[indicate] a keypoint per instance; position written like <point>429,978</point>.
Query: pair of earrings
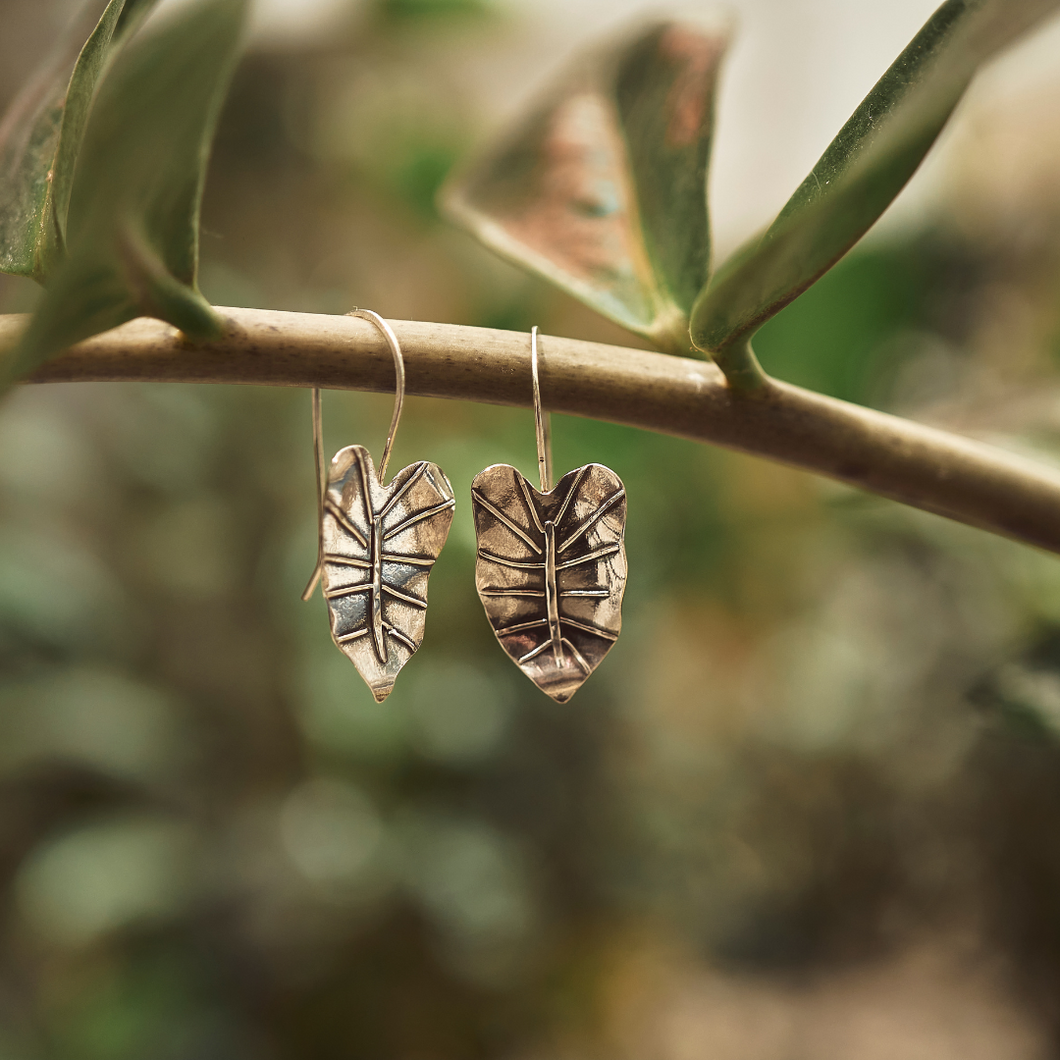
<point>550,568</point>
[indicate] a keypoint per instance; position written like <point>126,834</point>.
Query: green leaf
<point>416,10</point>
<point>602,189</point>
<point>41,136</point>
<point>134,211</point>
<point>862,171</point>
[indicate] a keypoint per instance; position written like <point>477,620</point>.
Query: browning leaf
<point>379,547</point>
<point>602,190</point>
<point>551,570</point>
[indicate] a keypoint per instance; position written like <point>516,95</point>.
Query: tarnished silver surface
<point>551,570</point>
<point>379,544</point>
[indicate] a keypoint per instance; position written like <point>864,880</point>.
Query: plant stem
<point>740,366</point>
<point>896,458</point>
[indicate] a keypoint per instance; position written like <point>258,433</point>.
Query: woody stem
<point>918,465</point>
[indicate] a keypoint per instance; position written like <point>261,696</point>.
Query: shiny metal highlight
<point>379,545</point>
<point>376,545</point>
<point>551,570</point>
<point>542,421</point>
<point>551,566</point>
<point>318,460</point>
<point>399,381</point>
<point>318,431</point>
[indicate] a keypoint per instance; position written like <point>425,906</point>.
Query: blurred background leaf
<point>864,168</point>
<point>602,188</point>
<point>414,10</point>
<point>133,229</point>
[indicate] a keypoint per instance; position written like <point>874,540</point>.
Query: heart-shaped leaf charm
<point>551,570</point>
<point>379,546</point>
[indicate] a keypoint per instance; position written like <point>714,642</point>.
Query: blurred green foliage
<point>409,10</point>
<point>844,337</point>
<point>807,806</point>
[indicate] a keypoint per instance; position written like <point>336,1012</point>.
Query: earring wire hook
<point>399,384</point>
<point>542,420</point>
<point>318,434</point>
<point>318,459</point>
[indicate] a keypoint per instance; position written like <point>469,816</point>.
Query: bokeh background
<point>810,805</point>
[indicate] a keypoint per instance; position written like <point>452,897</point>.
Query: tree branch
<point>896,458</point>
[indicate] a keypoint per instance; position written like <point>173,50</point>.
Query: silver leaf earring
<point>376,544</point>
<point>551,566</point>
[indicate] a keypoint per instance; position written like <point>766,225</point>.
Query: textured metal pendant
<point>379,545</point>
<point>551,570</point>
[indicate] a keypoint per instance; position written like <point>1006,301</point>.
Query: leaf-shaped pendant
<point>551,570</point>
<point>379,546</point>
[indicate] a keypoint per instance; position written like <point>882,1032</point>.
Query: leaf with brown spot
<point>602,189</point>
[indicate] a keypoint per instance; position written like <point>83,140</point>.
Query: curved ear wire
<point>543,422</point>
<point>318,457</point>
<point>399,382</point>
<point>399,402</point>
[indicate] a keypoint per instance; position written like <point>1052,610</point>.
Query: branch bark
<point>918,465</point>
